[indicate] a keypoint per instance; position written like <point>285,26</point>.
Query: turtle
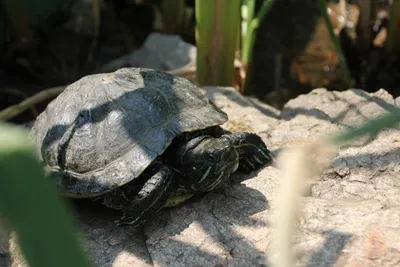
<point>135,138</point>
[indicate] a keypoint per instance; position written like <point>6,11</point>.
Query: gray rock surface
<point>107,244</point>
<point>245,114</point>
<point>397,101</point>
<point>342,233</point>
<point>159,51</point>
<point>335,229</point>
<point>4,255</point>
<point>351,216</point>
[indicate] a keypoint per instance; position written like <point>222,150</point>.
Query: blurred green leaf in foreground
<point>31,206</point>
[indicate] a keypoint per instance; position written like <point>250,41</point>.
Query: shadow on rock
<point>330,251</point>
<point>212,229</point>
<point>378,100</point>
<point>344,108</point>
<point>205,227</point>
<point>371,161</point>
<point>214,93</point>
<point>107,244</point>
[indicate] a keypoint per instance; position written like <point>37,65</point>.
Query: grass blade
<point>336,44</point>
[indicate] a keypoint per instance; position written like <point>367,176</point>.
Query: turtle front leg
<point>253,153</point>
<point>140,207</point>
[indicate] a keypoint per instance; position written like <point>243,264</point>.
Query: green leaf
<point>31,206</point>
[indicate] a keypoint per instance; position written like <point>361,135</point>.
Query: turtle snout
<point>233,160</point>
<point>230,156</point>
<point>227,150</point>
<point>220,146</point>
<point>226,140</point>
<point>226,145</point>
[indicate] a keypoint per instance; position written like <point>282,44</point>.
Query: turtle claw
<point>254,162</point>
<point>253,152</point>
<point>129,221</point>
<point>119,223</point>
<point>151,198</point>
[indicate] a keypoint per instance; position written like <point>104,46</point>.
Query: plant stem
<point>393,42</point>
<point>173,14</point>
<point>253,24</point>
<point>217,30</point>
<point>342,59</point>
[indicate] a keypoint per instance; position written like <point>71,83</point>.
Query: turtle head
<point>204,162</point>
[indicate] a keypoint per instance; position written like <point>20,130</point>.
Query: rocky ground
<point>350,217</point>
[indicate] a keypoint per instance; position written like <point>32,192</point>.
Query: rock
<point>159,51</point>
<point>361,172</point>
<point>16,255</point>
<point>349,218</point>
<point>347,108</point>
<point>220,229</point>
<point>341,233</point>
<point>244,114</point>
<point>232,229</point>
<point>107,244</point>
<point>367,172</point>
<point>352,214</point>
<point>4,254</point>
<point>397,101</point>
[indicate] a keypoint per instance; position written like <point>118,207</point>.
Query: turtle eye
<point>211,156</point>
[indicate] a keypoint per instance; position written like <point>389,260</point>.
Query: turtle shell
<point>104,130</point>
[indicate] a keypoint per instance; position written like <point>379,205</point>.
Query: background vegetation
<point>273,50</point>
